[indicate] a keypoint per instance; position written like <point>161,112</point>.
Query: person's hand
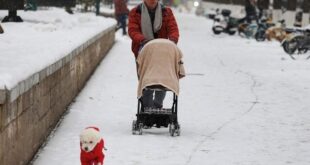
<point>143,43</point>
<point>174,41</point>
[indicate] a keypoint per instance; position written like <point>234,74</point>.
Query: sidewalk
<point>242,102</point>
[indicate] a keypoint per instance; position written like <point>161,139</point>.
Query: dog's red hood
<point>96,128</point>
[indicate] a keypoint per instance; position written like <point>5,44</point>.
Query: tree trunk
<point>270,10</point>
<point>299,13</point>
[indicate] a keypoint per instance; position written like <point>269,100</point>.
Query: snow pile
<point>44,37</point>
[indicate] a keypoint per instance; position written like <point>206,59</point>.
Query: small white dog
<point>92,145</point>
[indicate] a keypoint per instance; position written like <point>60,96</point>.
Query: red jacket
<point>169,28</point>
<point>93,157</point>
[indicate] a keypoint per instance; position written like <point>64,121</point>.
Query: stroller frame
<point>158,117</point>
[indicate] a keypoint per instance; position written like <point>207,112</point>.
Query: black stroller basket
<point>148,117</point>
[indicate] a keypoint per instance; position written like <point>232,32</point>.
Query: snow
<point>242,103</point>
<point>42,39</point>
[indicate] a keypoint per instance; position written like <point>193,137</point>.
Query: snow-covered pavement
<point>242,103</point>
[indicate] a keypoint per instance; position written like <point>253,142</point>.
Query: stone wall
<point>30,111</point>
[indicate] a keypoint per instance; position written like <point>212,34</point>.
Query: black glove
<point>143,43</point>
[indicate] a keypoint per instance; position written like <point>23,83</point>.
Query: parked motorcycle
<point>247,30</point>
<point>278,32</point>
<point>263,25</point>
<point>223,23</point>
<point>297,41</point>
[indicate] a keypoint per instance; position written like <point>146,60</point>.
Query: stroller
<point>159,68</point>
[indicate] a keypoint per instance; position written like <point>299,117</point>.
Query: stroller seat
<point>150,110</point>
<point>160,64</point>
<point>159,68</point>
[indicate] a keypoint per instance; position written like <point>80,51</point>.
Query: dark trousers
<point>121,21</point>
<point>153,98</point>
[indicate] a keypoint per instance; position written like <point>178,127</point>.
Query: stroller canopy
<point>160,63</point>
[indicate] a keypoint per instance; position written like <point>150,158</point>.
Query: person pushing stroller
<point>147,21</point>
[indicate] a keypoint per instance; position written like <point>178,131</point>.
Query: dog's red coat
<point>93,157</point>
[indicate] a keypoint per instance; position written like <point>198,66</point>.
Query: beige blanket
<point>160,63</point>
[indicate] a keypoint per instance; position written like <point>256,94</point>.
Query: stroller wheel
<point>174,129</point>
<point>134,128</point>
<point>171,129</point>
<point>140,128</point>
<point>178,130</point>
